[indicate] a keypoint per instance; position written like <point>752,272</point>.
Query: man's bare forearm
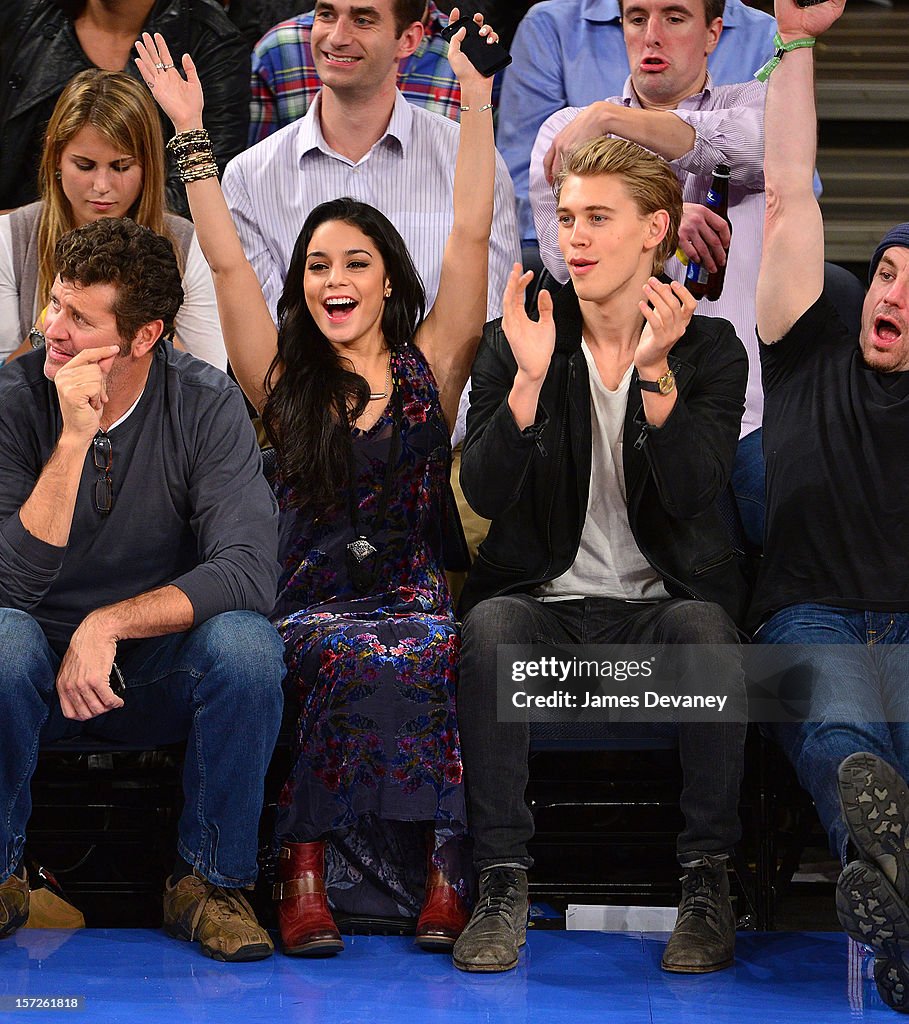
<point>792,256</point>
<point>48,512</point>
<point>82,681</point>
<point>154,613</point>
<point>660,131</point>
<point>790,127</point>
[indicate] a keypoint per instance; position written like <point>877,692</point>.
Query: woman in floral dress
<point>358,392</point>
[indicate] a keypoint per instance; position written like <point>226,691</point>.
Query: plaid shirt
<point>284,79</point>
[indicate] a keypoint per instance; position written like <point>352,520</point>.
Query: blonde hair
<point>121,111</point>
<point>647,177</point>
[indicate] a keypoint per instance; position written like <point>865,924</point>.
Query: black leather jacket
<point>534,484</point>
<point>39,54</point>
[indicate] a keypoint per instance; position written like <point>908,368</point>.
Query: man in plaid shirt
<point>285,82</point>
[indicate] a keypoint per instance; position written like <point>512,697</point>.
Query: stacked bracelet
<point>194,155</point>
<point>763,73</point>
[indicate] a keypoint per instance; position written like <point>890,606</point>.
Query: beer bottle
<point>697,279</point>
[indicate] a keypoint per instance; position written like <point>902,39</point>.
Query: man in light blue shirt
<point>570,53</point>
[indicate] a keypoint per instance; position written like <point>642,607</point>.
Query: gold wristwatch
<point>664,385</point>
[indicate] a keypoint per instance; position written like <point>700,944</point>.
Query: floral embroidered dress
<point>377,747</point>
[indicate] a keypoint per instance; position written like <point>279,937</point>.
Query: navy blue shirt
<point>837,473</point>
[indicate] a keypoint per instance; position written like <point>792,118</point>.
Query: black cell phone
<point>116,682</point>
<point>487,58</point>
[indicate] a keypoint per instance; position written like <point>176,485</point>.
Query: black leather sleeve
<point>691,455</point>
<point>496,453</point>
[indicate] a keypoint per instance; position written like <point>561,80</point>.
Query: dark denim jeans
<point>218,686</point>
<point>495,753</point>
<point>748,487</point>
<point>859,697</point>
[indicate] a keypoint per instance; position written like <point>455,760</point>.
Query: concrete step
<point>862,207</point>
<point>861,99</point>
<point>853,241</point>
<point>863,66</point>
<point>878,174</point>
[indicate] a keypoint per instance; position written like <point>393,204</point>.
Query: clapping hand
<point>668,309</point>
<point>180,98</point>
<point>532,342</point>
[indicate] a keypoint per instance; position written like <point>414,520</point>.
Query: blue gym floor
<point>127,975</point>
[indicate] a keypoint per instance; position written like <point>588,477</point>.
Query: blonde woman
<point>103,157</point>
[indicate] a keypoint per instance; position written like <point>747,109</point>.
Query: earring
<point>388,292</point>
<point>58,175</point>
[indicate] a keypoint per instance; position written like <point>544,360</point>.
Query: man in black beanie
<point>835,575</point>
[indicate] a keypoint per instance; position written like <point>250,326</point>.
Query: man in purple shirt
<point>572,53</point>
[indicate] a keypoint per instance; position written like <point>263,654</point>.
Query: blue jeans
<point>217,686</point>
<point>858,694</point>
<point>495,753</point>
<point>748,487</point>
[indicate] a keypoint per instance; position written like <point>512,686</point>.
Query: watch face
<point>36,338</point>
<point>666,382</point>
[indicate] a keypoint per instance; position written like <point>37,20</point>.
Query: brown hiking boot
<point>13,902</point>
<point>220,920</point>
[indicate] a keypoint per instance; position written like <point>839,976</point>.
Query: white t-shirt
<point>609,562</point>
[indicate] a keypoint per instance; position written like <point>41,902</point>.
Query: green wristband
<point>763,73</point>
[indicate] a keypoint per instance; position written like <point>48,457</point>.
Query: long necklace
<point>362,555</point>
<point>374,396</point>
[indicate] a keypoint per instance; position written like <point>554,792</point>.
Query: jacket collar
<point>60,56</point>
<point>567,315</point>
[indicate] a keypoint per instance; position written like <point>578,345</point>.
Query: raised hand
<point>181,99</point>
<point>796,22</point>
<point>82,390</point>
<point>532,342</point>
<point>466,73</point>
<point>668,309</point>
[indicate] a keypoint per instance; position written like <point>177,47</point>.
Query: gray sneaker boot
<point>875,802</point>
<point>703,939</point>
<point>498,926</point>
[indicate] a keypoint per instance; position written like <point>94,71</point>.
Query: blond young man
<point>598,440</point>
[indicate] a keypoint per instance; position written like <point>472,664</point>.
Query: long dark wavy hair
<point>312,394</point>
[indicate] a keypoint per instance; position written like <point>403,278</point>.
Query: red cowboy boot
<point>444,915</point>
<point>307,927</point>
